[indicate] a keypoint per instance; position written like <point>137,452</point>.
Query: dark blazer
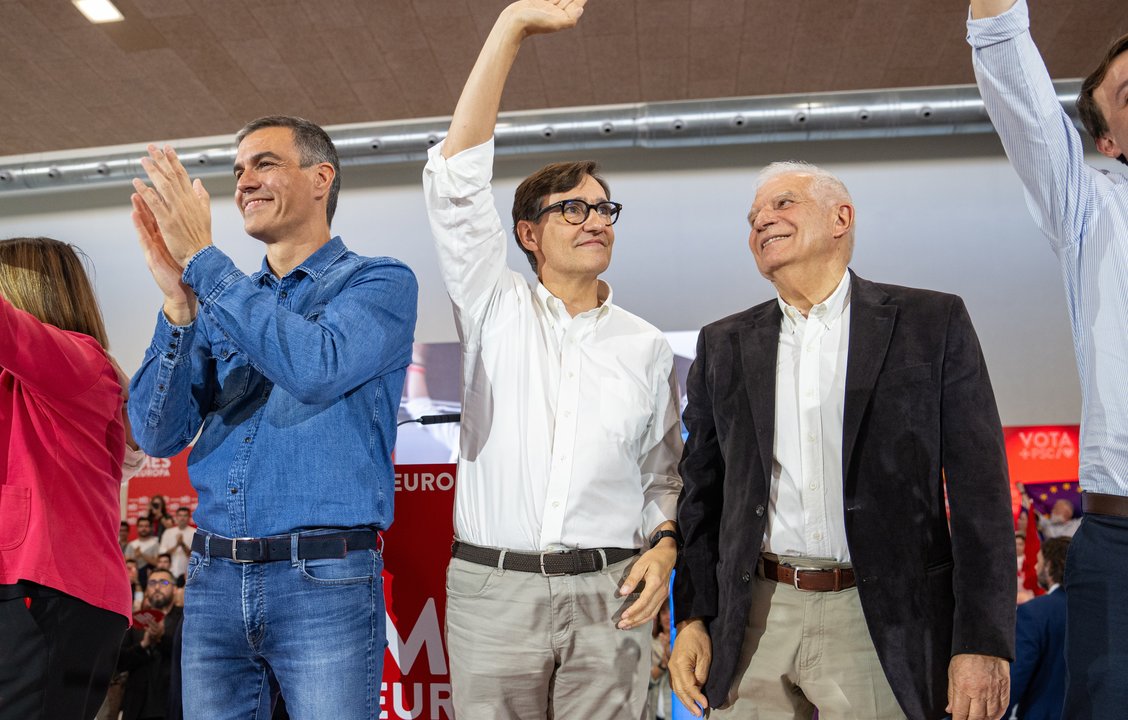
<point>1038,672</point>
<point>918,408</point>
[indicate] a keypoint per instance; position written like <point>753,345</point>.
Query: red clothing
<point>61,447</point>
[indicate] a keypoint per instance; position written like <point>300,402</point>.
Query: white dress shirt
<point>805,514</point>
<point>570,427</point>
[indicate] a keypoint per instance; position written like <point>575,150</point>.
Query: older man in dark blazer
<point>829,430</point>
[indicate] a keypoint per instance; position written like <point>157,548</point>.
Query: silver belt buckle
<point>544,572</point>
<point>234,544</point>
<point>795,575</point>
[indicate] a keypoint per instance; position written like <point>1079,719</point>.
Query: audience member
<point>177,541</point>
<point>147,652</point>
<point>123,535</point>
<point>1060,522</point>
<point>143,549</point>
<point>1038,673</point>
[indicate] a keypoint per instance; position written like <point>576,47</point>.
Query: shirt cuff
<point>984,32</point>
<point>463,175</point>
<point>209,272</point>
<point>172,342</point>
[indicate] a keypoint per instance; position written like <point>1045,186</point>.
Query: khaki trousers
<point>805,651</point>
<point>526,646</point>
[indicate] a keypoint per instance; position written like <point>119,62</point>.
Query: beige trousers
<point>807,650</point>
<point>527,646</point>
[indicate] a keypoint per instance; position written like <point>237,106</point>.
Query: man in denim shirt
<point>292,377</point>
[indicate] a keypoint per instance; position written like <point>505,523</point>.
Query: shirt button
<point>814,486</point>
<point>817,536</point>
<point>282,294</point>
<point>555,504</point>
<point>759,511</point>
<point>812,436</point>
<point>567,413</point>
<point>170,356</point>
<point>571,375</point>
<point>234,491</point>
<point>176,333</point>
<point>247,439</point>
<point>747,576</point>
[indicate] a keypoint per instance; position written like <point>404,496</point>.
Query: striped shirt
<point>1084,213</point>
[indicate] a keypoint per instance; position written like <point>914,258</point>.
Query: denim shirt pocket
<point>232,372</point>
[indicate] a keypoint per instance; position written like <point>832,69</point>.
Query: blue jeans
<point>1096,640</point>
<point>316,628</point>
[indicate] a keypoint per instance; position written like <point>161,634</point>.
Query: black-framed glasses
<point>576,211</point>
<point>159,581</point>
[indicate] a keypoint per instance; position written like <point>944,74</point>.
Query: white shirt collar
<point>825,312</point>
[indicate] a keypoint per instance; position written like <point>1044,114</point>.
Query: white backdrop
<point>945,213</point>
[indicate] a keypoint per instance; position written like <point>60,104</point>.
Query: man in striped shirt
<point>1084,213</point>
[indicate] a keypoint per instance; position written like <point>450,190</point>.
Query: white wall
<point>944,213</point>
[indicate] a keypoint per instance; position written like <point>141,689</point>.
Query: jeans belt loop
<point>294,561</point>
<point>207,548</point>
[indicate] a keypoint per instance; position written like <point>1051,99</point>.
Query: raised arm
<point>476,113</point>
<point>989,8</point>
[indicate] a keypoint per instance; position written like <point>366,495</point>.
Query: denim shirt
<point>295,383</point>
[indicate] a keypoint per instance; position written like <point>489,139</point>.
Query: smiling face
<point>793,225</point>
<point>566,250</point>
<point>275,194</point>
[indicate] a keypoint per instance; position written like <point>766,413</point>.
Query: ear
<point>843,219</point>
<point>527,236</point>
<point>323,177</point>
<point>1108,147</point>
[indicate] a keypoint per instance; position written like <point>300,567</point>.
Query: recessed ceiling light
<point>98,11</point>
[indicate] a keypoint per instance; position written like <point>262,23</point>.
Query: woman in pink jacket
<point>64,594</point>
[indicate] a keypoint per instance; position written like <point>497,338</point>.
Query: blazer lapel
<point>759,347</point>
<point>871,329</point>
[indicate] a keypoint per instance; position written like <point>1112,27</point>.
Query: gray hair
<point>826,183</point>
<point>313,144</point>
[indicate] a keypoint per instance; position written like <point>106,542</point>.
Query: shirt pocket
<point>232,372</point>
<point>624,409</point>
<point>15,510</point>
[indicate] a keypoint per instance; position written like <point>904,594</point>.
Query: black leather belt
<point>1104,504</point>
<point>277,547</point>
<point>563,562</point>
<point>810,579</point>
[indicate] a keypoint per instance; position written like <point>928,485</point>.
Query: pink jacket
<point>61,448</point>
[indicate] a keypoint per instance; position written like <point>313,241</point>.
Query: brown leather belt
<point>809,579</point>
<point>1102,504</point>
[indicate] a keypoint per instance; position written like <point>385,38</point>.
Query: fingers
<point>685,683</point>
<point>645,608</point>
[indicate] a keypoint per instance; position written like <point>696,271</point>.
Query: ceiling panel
<point>205,67</point>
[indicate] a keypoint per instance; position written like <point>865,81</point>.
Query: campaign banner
<point>159,476</point>
<point>1044,456</point>
<point>416,683</point>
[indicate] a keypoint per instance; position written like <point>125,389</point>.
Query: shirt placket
<point>812,486</point>
<point>564,433</point>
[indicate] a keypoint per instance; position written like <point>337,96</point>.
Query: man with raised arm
<point>291,377</point>
<point>567,477</point>
<point>829,429</point>
<point>1084,214</point>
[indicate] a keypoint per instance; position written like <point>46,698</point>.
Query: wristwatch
<point>657,537</point>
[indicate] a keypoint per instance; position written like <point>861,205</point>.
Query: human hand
<point>653,570</point>
<point>978,687</point>
<point>689,665</point>
<point>154,631</point>
<point>179,299</point>
<point>533,17</point>
<point>181,207</point>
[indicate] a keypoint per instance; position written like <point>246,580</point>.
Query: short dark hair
<point>314,146</point>
<point>183,509</point>
<point>165,555</point>
<point>553,178</point>
<point>1091,116</point>
<point>1054,552</point>
<point>144,518</point>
